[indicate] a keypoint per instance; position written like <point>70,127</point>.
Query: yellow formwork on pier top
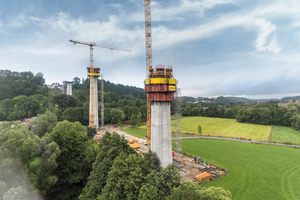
<point>93,74</point>
<point>170,81</point>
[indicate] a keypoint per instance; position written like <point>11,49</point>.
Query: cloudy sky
<point>247,48</point>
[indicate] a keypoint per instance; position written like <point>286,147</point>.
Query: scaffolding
<point>177,124</point>
<point>102,101</point>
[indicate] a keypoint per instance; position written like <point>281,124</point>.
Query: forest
<point>24,95</point>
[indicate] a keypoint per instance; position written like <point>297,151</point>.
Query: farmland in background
<point>225,128</point>
<point>282,134</point>
<point>231,128</point>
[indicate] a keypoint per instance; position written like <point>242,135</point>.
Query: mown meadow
<point>282,134</point>
<point>225,127</point>
<point>256,171</point>
<point>136,132</point>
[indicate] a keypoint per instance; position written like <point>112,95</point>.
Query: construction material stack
<point>160,88</point>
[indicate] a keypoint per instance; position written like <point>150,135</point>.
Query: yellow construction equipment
<point>92,74</point>
<point>135,145</point>
<point>203,176</point>
<point>148,44</point>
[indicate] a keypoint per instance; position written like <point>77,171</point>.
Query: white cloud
<point>18,22</point>
<point>265,28</point>
<point>179,10</point>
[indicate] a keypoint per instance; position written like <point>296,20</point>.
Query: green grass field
<point>136,132</point>
<point>282,134</point>
<point>256,171</point>
<point>142,132</point>
<point>225,128</point>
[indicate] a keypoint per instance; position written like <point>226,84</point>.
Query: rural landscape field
<point>256,171</point>
<point>281,134</point>
<point>232,129</point>
<point>225,128</point>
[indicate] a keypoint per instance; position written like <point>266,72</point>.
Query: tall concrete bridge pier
<point>160,88</point>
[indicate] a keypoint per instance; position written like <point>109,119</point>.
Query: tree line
<point>58,160</point>
<point>24,95</point>
<point>269,113</point>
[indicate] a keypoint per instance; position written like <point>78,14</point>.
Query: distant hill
<point>290,98</point>
<point>221,99</point>
<point>232,99</point>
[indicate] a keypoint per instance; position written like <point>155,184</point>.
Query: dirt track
<point>238,140</point>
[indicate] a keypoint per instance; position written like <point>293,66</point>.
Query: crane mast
<point>148,44</point>
<point>92,95</point>
<point>92,73</point>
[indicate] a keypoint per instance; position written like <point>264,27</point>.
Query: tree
<point>199,130</point>
<point>64,101</point>
<point>195,111</point>
<point>138,121</point>
<point>18,146</point>
<point>187,190</point>
<point>116,115</point>
<point>110,147</point>
<point>43,90</point>
<point>266,116</point>
<point>74,162</point>
<point>125,178</point>
<point>43,124</point>
<point>6,107</point>
<point>215,193</point>
<point>43,166</point>
<point>39,79</point>
<point>23,149</point>
<point>76,83</point>
<point>191,190</point>
<point>186,111</point>
<point>75,115</point>
<point>76,80</point>
<point>91,132</point>
<point>212,111</point>
<point>152,162</point>
<point>161,182</point>
<point>133,120</point>
<point>121,103</point>
<point>5,91</point>
<point>143,111</point>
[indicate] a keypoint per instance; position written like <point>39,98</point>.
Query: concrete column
<point>69,89</point>
<point>161,138</point>
<point>95,103</point>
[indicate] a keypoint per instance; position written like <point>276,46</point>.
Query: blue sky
<point>247,48</point>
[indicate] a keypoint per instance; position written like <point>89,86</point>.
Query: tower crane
<point>92,73</point>
<point>148,44</point>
